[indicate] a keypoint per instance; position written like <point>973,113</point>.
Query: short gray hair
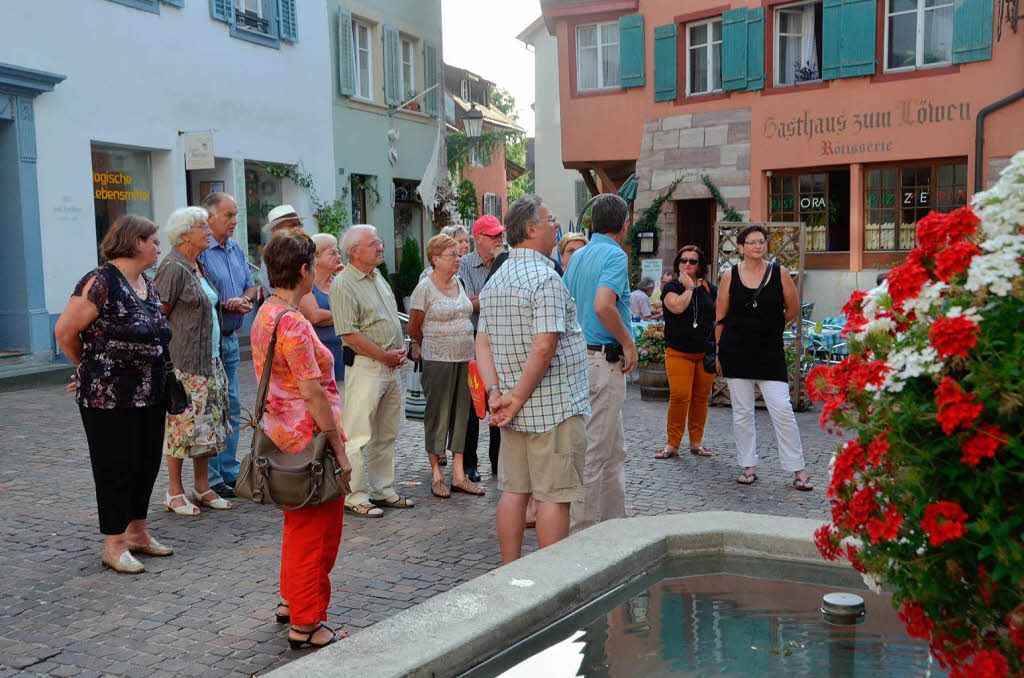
<point>608,212</point>
<point>454,231</point>
<point>521,213</point>
<point>646,284</point>
<point>181,222</point>
<point>350,238</point>
<point>213,200</point>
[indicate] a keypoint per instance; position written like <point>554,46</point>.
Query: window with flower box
<point>895,198</point>
<point>798,30</point>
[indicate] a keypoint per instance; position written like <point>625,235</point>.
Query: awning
<point>628,188</point>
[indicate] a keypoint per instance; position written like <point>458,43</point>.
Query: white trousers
<point>373,406</point>
<point>776,398</point>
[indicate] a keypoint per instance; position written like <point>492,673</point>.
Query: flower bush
<point>928,495</point>
<point>650,346</point>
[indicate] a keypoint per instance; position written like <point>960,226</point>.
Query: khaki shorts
<point>549,464</point>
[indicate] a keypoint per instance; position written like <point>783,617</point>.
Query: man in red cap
<point>489,235</point>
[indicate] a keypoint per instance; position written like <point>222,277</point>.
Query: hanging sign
<point>651,268</point>
<point>198,150</point>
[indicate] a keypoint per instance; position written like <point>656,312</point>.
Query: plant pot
<point>653,380</point>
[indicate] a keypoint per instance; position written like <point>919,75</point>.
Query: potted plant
<point>650,351</point>
<point>409,270</point>
<point>414,105</point>
<point>928,496</point>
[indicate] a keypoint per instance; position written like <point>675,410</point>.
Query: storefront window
<point>815,198</point>
<point>897,197</point>
<point>262,194</point>
<point>121,184</point>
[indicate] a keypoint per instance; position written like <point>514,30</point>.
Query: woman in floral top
<point>114,334</point>
<point>302,399</point>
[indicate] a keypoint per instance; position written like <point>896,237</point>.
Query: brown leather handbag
<point>287,481</point>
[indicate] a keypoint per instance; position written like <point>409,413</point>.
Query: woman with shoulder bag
<point>302,400</point>
<point>192,307</point>
<point>114,334</point>
<point>757,300</point>
<point>689,305</point>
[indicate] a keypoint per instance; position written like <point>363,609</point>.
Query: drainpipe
<point>979,136</point>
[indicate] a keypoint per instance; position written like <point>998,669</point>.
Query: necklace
<point>285,301</point>
<point>695,307</point>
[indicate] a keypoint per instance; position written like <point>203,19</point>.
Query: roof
<point>492,116</point>
<point>468,72</point>
<point>526,33</point>
<point>513,170</point>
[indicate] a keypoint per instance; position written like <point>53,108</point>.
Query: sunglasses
<point>693,262</point>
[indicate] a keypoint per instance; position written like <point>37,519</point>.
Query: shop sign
<point>916,198</point>
<point>198,150</point>
<point>651,268</point>
<point>806,203</point>
<point>115,186</point>
<point>828,129</point>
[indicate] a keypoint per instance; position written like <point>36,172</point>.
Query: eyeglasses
<point>692,262</point>
<point>376,243</point>
<point>550,221</point>
<point>450,256</point>
<point>202,226</point>
<point>755,243</point>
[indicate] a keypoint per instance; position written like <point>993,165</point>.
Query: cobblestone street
<point>209,609</point>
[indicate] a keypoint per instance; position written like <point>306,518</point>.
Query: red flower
<point>827,541</point>
<point>985,586</point>
<point>886,527</point>
<point>955,258</point>
<point>917,622</point>
<point>878,448</point>
<point>861,507</point>
<point>905,280</point>
<point>982,445</point>
<point>956,408</point>
<point>849,459</point>
<point>954,336</point>
<point>944,521</point>
<point>853,310</point>
<point>851,555</point>
<point>1015,620</point>
<point>985,664</point>
<point>936,231</point>
<point>949,650</point>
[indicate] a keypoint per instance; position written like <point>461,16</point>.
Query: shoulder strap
<point>261,394</point>
<point>764,280</point>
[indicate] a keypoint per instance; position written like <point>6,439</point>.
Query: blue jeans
<point>224,466</point>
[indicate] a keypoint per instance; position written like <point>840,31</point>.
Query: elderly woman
<point>192,307</point>
<point>112,332</point>
<point>756,301</point>
<point>461,236</point>
<point>303,399</point>
<point>442,336</point>
<point>689,303</point>
<point>569,243</point>
<point>316,306</point>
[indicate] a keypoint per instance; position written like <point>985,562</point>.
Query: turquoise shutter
<point>631,50</point>
<point>176,3</point>
<point>831,38</point>
<point>222,10</point>
<point>430,106</point>
<point>755,48</point>
<point>392,66</point>
<point>857,50</point>
<point>346,55</point>
<point>734,49</point>
<point>972,31</point>
<point>665,62</point>
<point>287,21</point>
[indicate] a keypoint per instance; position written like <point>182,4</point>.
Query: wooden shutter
<point>848,38</point>
<point>665,62</point>
<point>222,10</point>
<point>392,66</point>
<point>582,196</point>
<point>346,55</point>
<point>175,3</point>
<point>430,106</point>
<point>972,31</point>
<point>734,49</point>
<point>631,50</point>
<point>831,38</point>
<point>755,48</point>
<point>287,21</point>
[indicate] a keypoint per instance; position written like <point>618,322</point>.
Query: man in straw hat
<point>282,217</point>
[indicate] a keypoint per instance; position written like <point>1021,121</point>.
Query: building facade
<point>856,117</point>
<point>96,125</point>
<point>386,96</point>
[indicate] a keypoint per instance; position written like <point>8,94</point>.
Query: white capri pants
<point>776,398</point>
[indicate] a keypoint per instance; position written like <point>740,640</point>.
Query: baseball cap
<point>488,224</point>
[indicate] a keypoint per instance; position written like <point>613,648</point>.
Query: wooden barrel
<point>653,382</point>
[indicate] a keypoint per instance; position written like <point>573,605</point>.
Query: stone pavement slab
<point>210,607</point>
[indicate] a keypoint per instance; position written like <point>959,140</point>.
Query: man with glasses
<point>598,279</point>
<point>366,318</point>
<point>281,218</point>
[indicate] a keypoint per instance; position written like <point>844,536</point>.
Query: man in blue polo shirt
<point>598,280</point>
<point>228,268</point>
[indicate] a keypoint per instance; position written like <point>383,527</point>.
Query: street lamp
<point>473,121</point>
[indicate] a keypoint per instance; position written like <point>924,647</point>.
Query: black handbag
<point>710,348</point>
<point>175,397</point>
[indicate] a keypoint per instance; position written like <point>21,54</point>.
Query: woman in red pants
<point>303,399</point>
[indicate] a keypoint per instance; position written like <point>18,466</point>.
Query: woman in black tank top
<point>755,303</point>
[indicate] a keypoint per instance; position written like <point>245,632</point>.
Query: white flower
<point>883,324</point>
<point>877,299</point>
<point>908,363</point>
<point>997,270</point>
<point>1001,208</point>
<point>929,295</point>
<point>873,584</point>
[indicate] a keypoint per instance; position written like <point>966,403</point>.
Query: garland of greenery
<point>460,145</point>
<point>368,183</point>
<point>647,223</point>
<point>331,217</point>
<point>465,197</point>
<point>730,213</point>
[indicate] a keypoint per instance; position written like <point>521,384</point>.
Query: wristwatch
<point>492,387</point>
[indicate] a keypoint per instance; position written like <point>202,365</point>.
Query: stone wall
<point>715,143</point>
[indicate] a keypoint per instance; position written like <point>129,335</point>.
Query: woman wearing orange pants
<point>689,305</point>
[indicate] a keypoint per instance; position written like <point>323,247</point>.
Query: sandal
<point>700,451</point>
<point>803,484</point>
<point>468,487</point>
<point>747,478</point>
<point>218,502</point>
<point>439,488</point>
<point>299,644</point>
<point>187,509</point>
<point>283,618</point>
<point>667,452</point>
<point>365,510</point>
<point>395,502</point>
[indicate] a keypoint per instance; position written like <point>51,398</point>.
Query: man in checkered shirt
<point>533,360</point>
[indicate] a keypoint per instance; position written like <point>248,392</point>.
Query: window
<point>895,198</point>
<point>802,197</point>
<point>597,56</point>
<point>918,33</point>
<point>704,57</point>
<point>798,43</point>
<point>122,184</point>
<point>449,109</point>
<point>465,91</point>
<point>408,70</point>
<point>478,157</point>
<point>492,204</point>
<point>364,66</point>
<point>582,196</point>
<point>147,5</point>
<point>250,14</point>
